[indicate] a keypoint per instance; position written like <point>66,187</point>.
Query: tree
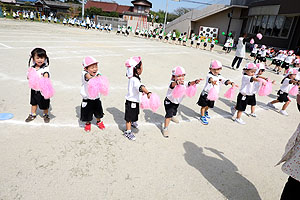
<point>181,11</point>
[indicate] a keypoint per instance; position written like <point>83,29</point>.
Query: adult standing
<point>291,159</point>
<point>240,51</point>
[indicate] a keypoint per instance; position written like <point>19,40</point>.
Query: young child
<point>184,39</point>
<point>198,42</point>
<point>288,60</point>
<point>90,106</point>
<point>286,85</point>
<point>174,37</point>
<point>193,38</point>
<point>135,89</point>
<point>212,45</point>
<point>263,54</point>
<point>41,65</point>
<point>180,39</point>
<point>247,93</point>
<point>213,79</point>
<point>205,43</point>
<point>254,51</point>
<point>171,103</point>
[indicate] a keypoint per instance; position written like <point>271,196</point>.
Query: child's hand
<point>214,82</point>
<point>234,85</point>
<point>274,82</point>
<point>149,95</point>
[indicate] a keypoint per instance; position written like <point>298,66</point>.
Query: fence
<point>114,21</point>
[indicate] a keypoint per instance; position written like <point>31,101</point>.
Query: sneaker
<point>232,67</point>
<point>135,125</point>
<point>101,125</point>
<point>129,135</point>
<point>277,72</point>
<point>233,110</point>
<point>203,120</point>
<point>30,118</point>
<point>240,121</point>
<point>165,132</point>
<point>283,112</point>
<point>271,105</point>
<point>46,118</point>
<point>206,115</point>
<point>175,120</point>
<point>252,115</point>
<point>87,127</point>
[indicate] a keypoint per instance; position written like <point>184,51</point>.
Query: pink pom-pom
<point>191,90</point>
<point>178,91</point>
<point>212,94</point>
<point>252,41</point>
<point>229,94</point>
<point>262,81</point>
<point>104,85</point>
<point>259,36</point>
<point>265,89</point>
<point>154,102</point>
<point>93,87</point>
<point>145,103</point>
<point>46,88</point>
<point>294,90</point>
<point>33,79</point>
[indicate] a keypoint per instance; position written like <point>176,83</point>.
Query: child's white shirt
<point>213,42</point>
<point>286,86</point>
<point>84,87</point>
<point>248,86</point>
<point>134,93</point>
<point>263,53</point>
<point>174,34</point>
<point>170,96</point>
<point>208,85</point>
<point>289,59</point>
<point>254,50</point>
<point>282,57</point>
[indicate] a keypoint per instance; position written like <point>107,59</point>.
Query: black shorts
<point>203,101</point>
<point>118,32</point>
<point>252,54</point>
<point>205,44</point>
<point>285,65</point>
<point>89,108</point>
<point>192,42</point>
<point>36,98</point>
<point>258,56</point>
<point>243,101</point>
<point>262,59</point>
<point>132,111</point>
<point>212,46</point>
<point>170,108</point>
<point>160,37</point>
<point>278,63</point>
<point>179,39</point>
<point>283,96</point>
<point>174,38</point>
<point>154,36</point>
<point>274,61</point>
<point>198,44</point>
<point>166,38</point>
<point>136,33</point>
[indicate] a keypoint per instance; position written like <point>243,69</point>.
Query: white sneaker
<point>252,115</point>
<point>283,112</point>
<point>165,132</point>
<point>175,120</point>
<point>240,121</point>
<point>271,105</point>
<point>135,125</point>
<point>233,110</point>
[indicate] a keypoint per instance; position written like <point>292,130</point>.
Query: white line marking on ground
<point>5,45</point>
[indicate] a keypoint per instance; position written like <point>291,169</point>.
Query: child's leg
<point>239,114</point>
<point>46,111</point>
<point>203,109</point>
<point>128,126</point>
<point>252,109</point>
<point>285,105</point>
<point>274,101</point>
<point>167,122</point>
<point>33,109</point>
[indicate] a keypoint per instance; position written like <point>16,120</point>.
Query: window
<point>270,25</point>
<point>278,25</point>
<point>257,25</point>
<point>263,26</point>
<point>286,27</point>
<point>140,9</point>
<point>253,23</point>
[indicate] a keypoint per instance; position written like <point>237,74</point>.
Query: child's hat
<point>250,66</point>
<point>263,46</point>
<point>131,63</point>
<point>291,71</point>
<point>297,61</point>
<point>89,60</point>
<point>260,66</point>
<point>256,45</point>
<point>291,52</point>
<point>177,71</point>
<point>215,64</point>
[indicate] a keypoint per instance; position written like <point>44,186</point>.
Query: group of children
<point>252,80</point>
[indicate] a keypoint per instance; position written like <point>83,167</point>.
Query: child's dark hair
<point>40,53</point>
<point>138,66</point>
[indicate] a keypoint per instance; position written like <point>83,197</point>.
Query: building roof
<point>8,1</point>
<point>142,3</point>
<point>108,7</point>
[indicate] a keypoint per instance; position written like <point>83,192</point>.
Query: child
<point>180,39</point>
<point>205,43</point>
<point>118,30</point>
<point>174,37</point>
<point>184,39</point>
<point>40,64</point>
<point>198,42</point>
<point>64,21</point>
<point>135,88</point>
<point>212,45</point>
<point>247,93</point>
<point>288,60</point>
<point>193,38</point>
<point>171,104</point>
<point>213,79</point>
<point>286,85</point>
<point>263,54</point>
<point>254,51</point>
<point>167,37</point>
<point>90,106</point>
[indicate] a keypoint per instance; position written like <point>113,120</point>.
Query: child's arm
<point>211,80</point>
<point>231,83</point>
<point>144,90</point>
<point>195,81</point>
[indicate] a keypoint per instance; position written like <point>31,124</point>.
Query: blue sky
<point>161,4</point>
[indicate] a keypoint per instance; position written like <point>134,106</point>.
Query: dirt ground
<point>223,160</point>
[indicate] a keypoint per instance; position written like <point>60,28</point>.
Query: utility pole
<point>166,13</point>
<point>82,11</point>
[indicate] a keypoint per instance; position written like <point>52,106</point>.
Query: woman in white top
<point>240,51</point>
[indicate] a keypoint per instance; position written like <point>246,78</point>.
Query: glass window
<point>278,25</point>
<point>286,27</point>
<point>270,25</point>
<point>263,26</point>
<point>254,19</point>
<point>257,25</point>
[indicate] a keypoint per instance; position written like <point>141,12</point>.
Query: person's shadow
<point>154,118</point>
<point>81,123</point>
<point>118,117</point>
<point>221,173</point>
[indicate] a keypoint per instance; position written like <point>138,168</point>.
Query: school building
<point>277,20</point>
